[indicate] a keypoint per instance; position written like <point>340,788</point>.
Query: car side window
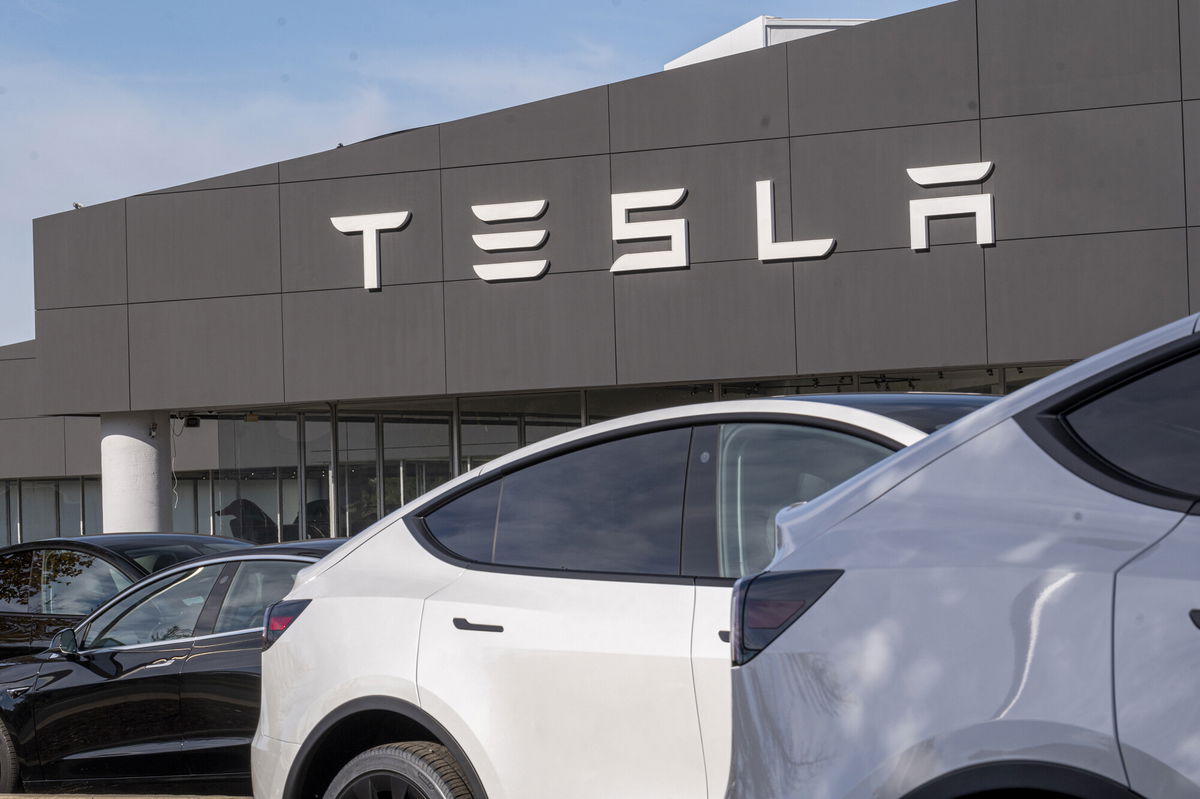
<point>74,583</point>
<point>16,582</point>
<point>1148,427</point>
<point>467,526</point>
<point>763,468</point>
<point>258,583</point>
<point>163,611</point>
<point>611,507</point>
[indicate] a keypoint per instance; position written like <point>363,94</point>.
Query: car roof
<point>116,541</point>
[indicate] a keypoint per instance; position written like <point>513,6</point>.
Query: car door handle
<point>463,624</point>
<point>723,635</point>
<point>1195,614</point>
<point>15,692</point>
<point>158,664</point>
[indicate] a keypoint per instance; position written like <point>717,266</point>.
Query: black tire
<point>425,770</point>
<point>10,772</point>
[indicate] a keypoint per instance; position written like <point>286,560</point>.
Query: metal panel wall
<point>242,293</point>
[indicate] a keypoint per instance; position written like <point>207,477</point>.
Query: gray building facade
<point>236,304</point>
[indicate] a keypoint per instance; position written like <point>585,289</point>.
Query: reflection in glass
<point>93,507</point>
<point>8,512</point>
<point>39,509</point>
<point>609,403</point>
<point>495,426</point>
<point>762,468</point>
<point>256,458</point>
<point>317,459</point>
<point>613,507</point>
<point>822,384</point>
<point>70,507</point>
<point>974,381</point>
<point>356,473</point>
<point>416,455</point>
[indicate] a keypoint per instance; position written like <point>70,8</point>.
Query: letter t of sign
<point>369,226</point>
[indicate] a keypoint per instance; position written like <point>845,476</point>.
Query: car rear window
<point>157,556</point>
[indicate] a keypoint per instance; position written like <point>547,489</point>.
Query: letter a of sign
<point>976,205</point>
<point>771,250</point>
<point>369,226</point>
<point>673,229</point>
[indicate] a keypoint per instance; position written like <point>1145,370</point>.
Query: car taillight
<point>766,604</point>
<point>279,617</point>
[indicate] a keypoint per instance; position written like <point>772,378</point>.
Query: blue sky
<point>103,100</point>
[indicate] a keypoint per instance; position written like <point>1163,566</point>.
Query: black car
<point>50,584</point>
<point>159,685</point>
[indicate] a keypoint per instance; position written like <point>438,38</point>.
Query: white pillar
<point>135,472</point>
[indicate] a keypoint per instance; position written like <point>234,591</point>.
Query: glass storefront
<point>383,457</point>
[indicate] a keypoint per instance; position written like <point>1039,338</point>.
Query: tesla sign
<point>525,241</point>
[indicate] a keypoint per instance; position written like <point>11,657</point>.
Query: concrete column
<point>135,472</point>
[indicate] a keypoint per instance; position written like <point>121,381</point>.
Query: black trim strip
<point>1044,424</point>
<point>207,620</point>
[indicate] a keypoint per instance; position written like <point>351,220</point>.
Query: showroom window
<point>1149,427</point>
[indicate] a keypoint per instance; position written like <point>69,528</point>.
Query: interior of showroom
<point>961,198</point>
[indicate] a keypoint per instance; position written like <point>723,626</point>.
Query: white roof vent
<point>760,32</point>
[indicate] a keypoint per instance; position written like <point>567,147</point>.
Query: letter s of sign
<point>369,226</point>
<point>673,229</point>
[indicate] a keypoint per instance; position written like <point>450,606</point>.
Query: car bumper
<point>270,762</point>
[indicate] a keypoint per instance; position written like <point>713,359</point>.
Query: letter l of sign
<point>369,226</point>
<point>771,250</point>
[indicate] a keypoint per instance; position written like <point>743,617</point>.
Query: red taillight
<point>279,617</point>
<point>765,605</point>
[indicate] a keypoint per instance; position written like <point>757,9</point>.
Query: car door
<point>71,583</point>
<point>112,710</point>
<point>17,588</point>
<point>221,677</point>
<point>560,659</point>
<point>740,475</point>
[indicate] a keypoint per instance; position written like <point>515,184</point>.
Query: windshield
<point>925,412</point>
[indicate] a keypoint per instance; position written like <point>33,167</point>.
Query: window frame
<point>415,519</point>
<point>1046,425</point>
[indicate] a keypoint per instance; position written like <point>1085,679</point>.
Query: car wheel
<point>413,770</point>
<point>9,772</point>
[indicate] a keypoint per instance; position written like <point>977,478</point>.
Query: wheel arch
<point>1053,779</point>
<point>357,726</point>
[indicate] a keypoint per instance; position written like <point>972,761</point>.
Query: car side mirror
<point>66,643</point>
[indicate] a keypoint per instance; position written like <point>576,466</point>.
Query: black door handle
<point>1195,614</point>
<point>463,624</point>
<point>723,635</point>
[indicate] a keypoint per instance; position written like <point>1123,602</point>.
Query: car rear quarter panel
<point>972,624</point>
<point>358,636</point>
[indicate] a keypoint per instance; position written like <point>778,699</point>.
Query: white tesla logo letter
<point>508,242</point>
<point>673,229</point>
<point>369,226</point>
<point>976,205</point>
<point>771,250</point>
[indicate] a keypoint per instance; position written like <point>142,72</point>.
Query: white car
<point>1007,609</point>
<point>555,623</point>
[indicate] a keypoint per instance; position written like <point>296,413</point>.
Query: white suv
<point>555,623</point>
